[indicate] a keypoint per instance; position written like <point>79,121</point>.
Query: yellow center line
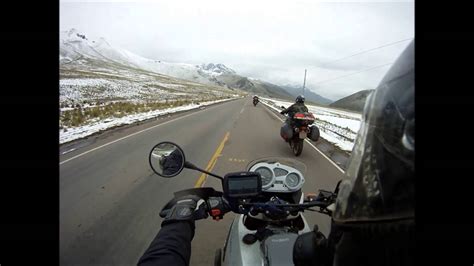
<point>212,162</point>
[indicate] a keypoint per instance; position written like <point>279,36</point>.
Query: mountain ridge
<point>353,102</point>
<point>308,93</point>
<point>77,48</point>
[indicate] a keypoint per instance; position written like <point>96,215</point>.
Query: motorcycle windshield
<point>301,167</point>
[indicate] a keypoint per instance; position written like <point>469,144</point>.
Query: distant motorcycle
<point>255,101</point>
<point>301,128</point>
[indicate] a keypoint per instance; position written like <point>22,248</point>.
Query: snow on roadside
<point>83,131</point>
<point>336,126</point>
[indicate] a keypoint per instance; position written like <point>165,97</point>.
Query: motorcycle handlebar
<point>216,207</point>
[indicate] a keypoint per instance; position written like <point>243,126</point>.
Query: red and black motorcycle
<point>298,130</point>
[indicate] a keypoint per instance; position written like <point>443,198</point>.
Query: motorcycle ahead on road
<point>255,101</point>
<point>267,198</point>
<point>301,128</point>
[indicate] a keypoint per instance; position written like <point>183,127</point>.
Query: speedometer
<point>292,180</point>
<point>267,175</point>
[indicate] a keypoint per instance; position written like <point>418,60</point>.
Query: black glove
<point>188,208</point>
<point>282,112</point>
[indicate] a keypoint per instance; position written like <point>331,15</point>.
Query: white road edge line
<point>68,151</point>
<point>337,166</point>
<point>141,131</point>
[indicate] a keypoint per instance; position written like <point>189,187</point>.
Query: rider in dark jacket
<point>297,107</point>
<point>172,245</point>
<point>255,99</point>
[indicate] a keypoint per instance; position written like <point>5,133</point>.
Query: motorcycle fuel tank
<point>278,249</point>
<point>274,248</point>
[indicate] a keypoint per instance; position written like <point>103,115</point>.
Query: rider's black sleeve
<point>288,109</point>
<point>171,246</point>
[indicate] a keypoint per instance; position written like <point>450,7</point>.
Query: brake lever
<point>328,210</point>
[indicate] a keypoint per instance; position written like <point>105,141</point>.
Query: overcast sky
<point>269,40</point>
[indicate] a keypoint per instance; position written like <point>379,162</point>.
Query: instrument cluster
<point>278,177</point>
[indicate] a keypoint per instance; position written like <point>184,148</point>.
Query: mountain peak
<point>81,36</point>
<point>72,35</point>
<point>72,31</point>
<point>217,68</point>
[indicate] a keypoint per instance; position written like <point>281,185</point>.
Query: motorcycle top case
<point>286,132</point>
<point>313,133</point>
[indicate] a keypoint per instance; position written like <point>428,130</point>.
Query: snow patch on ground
<point>69,134</point>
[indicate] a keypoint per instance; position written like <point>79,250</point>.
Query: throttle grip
<point>163,213</point>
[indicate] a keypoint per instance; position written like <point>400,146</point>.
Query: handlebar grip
<point>163,213</point>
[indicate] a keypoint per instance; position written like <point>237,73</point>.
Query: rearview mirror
<point>166,159</point>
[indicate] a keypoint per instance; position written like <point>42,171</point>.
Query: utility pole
<point>304,82</point>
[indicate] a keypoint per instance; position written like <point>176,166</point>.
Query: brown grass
<point>80,116</point>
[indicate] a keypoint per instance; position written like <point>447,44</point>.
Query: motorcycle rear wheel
<point>297,147</point>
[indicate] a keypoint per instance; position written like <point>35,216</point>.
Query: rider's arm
<point>286,110</point>
<point>171,246</point>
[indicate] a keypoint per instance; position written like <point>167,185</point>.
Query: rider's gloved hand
<point>188,208</point>
<point>282,113</point>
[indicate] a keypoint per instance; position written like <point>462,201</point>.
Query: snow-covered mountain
<point>96,72</point>
<point>76,48</point>
<point>216,69</point>
<point>78,52</point>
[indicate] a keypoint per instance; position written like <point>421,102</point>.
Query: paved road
<point>110,198</point>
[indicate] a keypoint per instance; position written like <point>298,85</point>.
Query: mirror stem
<point>192,166</point>
<point>337,187</point>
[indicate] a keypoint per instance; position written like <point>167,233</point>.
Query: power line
<point>366,51</point>
<point>375,67</point>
